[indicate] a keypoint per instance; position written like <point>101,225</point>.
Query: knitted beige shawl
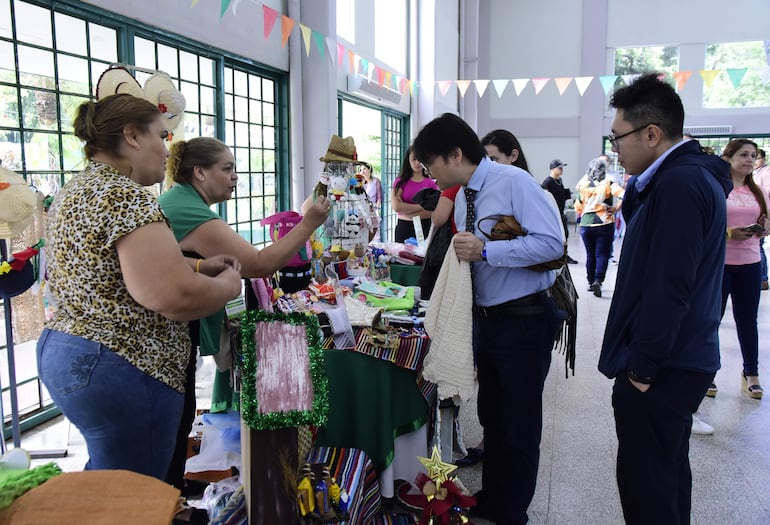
<point>449,323</point>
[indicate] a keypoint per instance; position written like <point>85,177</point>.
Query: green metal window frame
<point>43,112</point>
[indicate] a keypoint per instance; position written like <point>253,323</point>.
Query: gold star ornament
<point>438,471</point>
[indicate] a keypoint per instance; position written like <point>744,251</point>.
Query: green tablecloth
<point>404,274</point>
<point>371,402</point>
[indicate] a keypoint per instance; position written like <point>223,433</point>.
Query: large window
<point>637,60</point>
<point>52,53</point>
<point>391,33</point>
<point>739,63</point>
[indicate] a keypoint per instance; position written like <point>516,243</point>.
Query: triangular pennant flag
<point>402,85</point>
<point>223,8</point>
<point>708,76</point>
<point>608,81</point>
<point>443,86</point>
<point>395,81</point>
<point>629,79</point>
<point>519,84</point>
<point>539,84</point>
<point>318,38</point>
<point>355,62</point>
<point>380,74</point>
<point>193,3</point>
<point>481,86</point>
<point>736,75</point>
<point>331,47</point>
<point>387,81</point>
<point>235,5</point>
<point>562,83</point>
<point>364,67</point>
<point>462,86</point>
<point>306,33</point>
<point>764,73</point>
<point>340,54</point>
<point>681,78</point>
<point>270,16</point>
<point>287,24</point>
<point>500,86</point>
<point>582,84</point>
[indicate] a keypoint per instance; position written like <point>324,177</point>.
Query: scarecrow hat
<point>341,150</point>
<point>17,204</point>
<point>161,91</point>
<point>117,80</point>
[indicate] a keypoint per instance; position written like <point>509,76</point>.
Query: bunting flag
<point>340,55</point>
<point>388,81</point>
<point>306,33</point>
<point>681,78</point>
<point>582,83</point>
<point>539,84</point>
<point>519,84</point>
<point>462,86</point>
<point>193,3</point>
<point>736,75</point>
<point>364,67</point>
<point>235,5</point>
<point>331,47</point>
<point>607,82</point>
<point>270,16</point>
<point>223,8</point>
<point>355,62</point>
<point>500,86</point>
<point>318,38</point>
<point>443,86</point>
<point>481,86</point>
<point>562,83</point>
<point>380,74</point>
<point>287,25</point>
<point>708,76</point>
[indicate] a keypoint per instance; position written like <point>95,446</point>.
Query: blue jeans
<point>128,419</point>
<point>598,243</point>
<point>742,283</point>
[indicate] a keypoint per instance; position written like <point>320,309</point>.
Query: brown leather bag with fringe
<point>506,227</point>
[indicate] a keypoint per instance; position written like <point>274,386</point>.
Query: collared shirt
<point>508,190</point>
<point>645,177</point>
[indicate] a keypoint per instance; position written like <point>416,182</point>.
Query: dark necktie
<point>470,210</point>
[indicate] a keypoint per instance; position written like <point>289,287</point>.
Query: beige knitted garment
<point>449,323</point>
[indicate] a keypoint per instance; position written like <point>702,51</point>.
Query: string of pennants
<point>355,64</point>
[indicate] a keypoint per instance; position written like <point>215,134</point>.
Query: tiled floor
<point>576,484</point>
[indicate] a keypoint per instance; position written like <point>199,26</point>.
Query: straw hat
<point>162,92</point>
<point>341,150</point>
<point>17,204</point>
<point>117,80</point>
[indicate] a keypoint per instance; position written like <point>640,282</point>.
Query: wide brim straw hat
<point>341,150</point>
<point>161,91</point>
<point>18,202</point>
<point>117,80</point>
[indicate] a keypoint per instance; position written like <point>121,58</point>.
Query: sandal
<point>754,391</point>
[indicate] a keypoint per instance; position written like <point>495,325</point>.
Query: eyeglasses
<point>615,138</point>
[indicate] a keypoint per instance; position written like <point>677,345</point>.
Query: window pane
<point>5,19</point>
<point>636,60</point>
<point>242,134</point>
<point>242,166</point>
<point>208,126</point>
<point>41,151</point>
<point>10,150</point>
<point>33,24</point>
<point>97,68</point>
<point>73,153</point>
<point>73,74</point>
<point>268,138</point>
<point>167,60</point>
<point>36,67</point>
<point>144,53</point>
<point>268,114</point>
<point>268,88</point>
<point>241,108</point>
<point>104,43</point>
<point>255,86</point>
<point>188,66</point>
<point>240,84</point>
<point>69,105</point>
<point>207,71</point>
<point>730,59</point>
<point>9,107</point>
<point>70,34</point>
<point>7,67</point>
<point>390,33</point>
<point>228,80</point>
<point>190,92</point>
<point>346,20</point>
<point>207,101</point>
<point>39,109</point>
<point>191,125</point>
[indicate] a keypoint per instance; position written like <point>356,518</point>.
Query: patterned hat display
<point>17,204</point>
<point>115,80</point>
<point>161,91</point>
<point>341,150</point>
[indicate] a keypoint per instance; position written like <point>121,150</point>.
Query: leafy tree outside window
<point>638,60</point>
<point>752,91</point>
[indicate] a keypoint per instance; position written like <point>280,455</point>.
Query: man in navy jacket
<point>661,343</point>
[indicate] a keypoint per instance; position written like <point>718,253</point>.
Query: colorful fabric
<point>14,483</point>
<point>89,215</point>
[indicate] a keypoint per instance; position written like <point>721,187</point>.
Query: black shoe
<point>570,260</point>
<point>596,288</point>
<point>474,456</point>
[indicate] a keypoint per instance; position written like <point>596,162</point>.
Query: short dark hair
<point>442,135</point>
<point>649,100</point>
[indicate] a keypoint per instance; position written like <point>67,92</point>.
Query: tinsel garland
<point>317,415</point>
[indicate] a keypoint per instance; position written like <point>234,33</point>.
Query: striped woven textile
<point>355,473</point>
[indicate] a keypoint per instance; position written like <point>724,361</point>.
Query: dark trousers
<point>405,229</point>
<point>598,243</point>
<point>175,474</point>
<point>741,283</point>
<point>653,428</point>
<point>513,355</point>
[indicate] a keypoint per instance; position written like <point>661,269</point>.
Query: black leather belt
<point>524,306</point>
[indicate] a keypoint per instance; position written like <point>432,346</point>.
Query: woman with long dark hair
<point>411,179</point>
<point>502,146</point>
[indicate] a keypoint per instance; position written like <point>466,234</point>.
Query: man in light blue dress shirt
<point>514,317</point>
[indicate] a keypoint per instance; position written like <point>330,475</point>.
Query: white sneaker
<point>701,427</point>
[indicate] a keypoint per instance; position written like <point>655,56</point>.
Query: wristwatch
<point>643,380</point>
<point>484,252</point>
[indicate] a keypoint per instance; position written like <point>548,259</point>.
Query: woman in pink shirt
<point>746,224</point>
<point>409,182</point>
